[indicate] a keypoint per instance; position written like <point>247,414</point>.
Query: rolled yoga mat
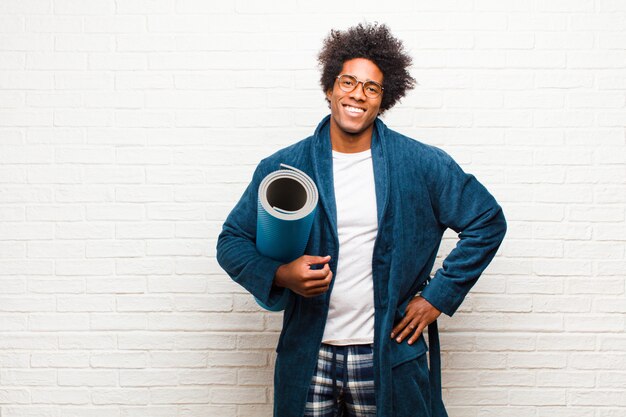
<point>287,204</point>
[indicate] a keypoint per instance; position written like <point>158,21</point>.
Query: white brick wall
<point>129,128</point>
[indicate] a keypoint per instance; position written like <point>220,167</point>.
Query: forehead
<point>363,69</point>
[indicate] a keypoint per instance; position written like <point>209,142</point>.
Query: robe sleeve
<point>464,205</point>
<point>236,247</point>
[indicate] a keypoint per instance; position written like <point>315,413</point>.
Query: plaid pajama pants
<point>343,383</point>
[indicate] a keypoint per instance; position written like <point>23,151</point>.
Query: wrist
<point>279,277</point>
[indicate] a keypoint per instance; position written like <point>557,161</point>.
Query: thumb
<point>316,260</point>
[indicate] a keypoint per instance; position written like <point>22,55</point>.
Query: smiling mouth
<point>351,109</point>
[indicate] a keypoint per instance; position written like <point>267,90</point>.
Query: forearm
<point>461,269</point>
<point>238,256</point>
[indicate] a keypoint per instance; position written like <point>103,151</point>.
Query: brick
<point>203,341</point>
<point>148,411</point>
<point>146,230</point>
<point>596,285</point>
<point>188,284</point>
<point>84,267</point>
<point>126,396</point>
<point>117,99</point>
<point>58,321</point>
<point>179,395</point>
<point>27,304</point>
<point>145,266</point>
<point>611,232</point>
<point>56,286</point>
<point>121,360</point>
<point>213,376</point>
<point>59,360</point>
<point>114,24</point>
<point>495,378</point>
<point>612,380</point>
<point>55,249</point>
<point>189,322</point>
<point>456,379</point>
<point>502,303</point>
<point>80,341</point>
<point>12,322</point>
<point>510,411</point>
<point>89,7</point>
<point>147,340</point>
<point>87,378</point>
<point>561,304</point>
<point>115,249</point>
<point>595,323</point>
<point>14,360</point>
<point>593,250</point>
<point>15,396</point>
<point>213,303</point>
<point>534,360</point>
<point>238,395</point>
<point>29,411</point>
<point>597,398</point>
<point>143,303</point>
<point>482,396</point>
<point>83,42</point>
<point>178,360</point>
<point>27,377</point>
<point>85,303</point>
<point>596,214</point>
<point>148,378</point>
<point>30,342</point>
<point>473,360</point>
<point>122,285</point>
<point>116,321</point>
<point>73,194</point>
<point>565,379</point>
<point>510,343</point>
<point>539,397</point>
<point>57,61</point>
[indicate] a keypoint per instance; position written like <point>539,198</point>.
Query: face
<point>353,113</point>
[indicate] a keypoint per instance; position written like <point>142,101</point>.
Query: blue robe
<point>420,192</point>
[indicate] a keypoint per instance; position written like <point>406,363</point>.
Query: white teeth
<point>354,109</point>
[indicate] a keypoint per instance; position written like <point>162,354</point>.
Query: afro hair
<point>375,43</point>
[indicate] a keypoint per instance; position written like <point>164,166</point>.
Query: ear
<point>329,93</point>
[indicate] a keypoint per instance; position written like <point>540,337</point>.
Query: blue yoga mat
<point>287,204</point>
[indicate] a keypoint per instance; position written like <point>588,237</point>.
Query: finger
<point>400,326</point>
<point>312,292</point>
<point>316,260</point>
<point>318,283</point>
<point>406,332</point>
<point>318,273</point>
<point>316,292</point>
<point>417,333</point>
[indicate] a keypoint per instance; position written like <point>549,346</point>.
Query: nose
<point>359,91</point>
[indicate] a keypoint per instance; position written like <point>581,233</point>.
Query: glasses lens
<point>372,89</point>
<point>347,83</point>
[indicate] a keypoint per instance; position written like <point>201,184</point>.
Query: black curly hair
<point>376,43</point>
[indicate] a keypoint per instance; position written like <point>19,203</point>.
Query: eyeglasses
<point>348,83</point>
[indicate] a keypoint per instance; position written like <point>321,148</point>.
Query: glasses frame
<point>362,85</point>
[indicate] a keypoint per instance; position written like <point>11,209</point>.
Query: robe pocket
<point>403,352</point>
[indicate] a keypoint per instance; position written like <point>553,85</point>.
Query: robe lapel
<point>322,157</point>
<point>381,170</point>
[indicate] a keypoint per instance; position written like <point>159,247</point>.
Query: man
<point>352,341</point>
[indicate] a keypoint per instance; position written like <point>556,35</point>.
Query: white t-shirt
<point>351,313</point>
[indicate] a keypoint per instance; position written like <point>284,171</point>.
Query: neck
<point>346,142</point>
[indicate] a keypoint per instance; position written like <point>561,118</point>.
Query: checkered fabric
<point>343,383</point>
